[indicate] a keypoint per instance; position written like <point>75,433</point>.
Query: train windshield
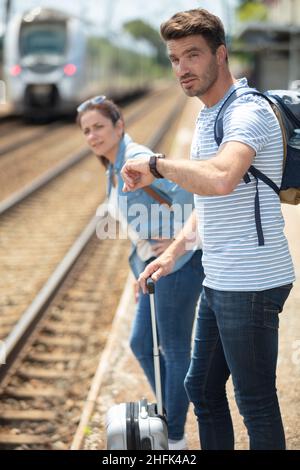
<point>43,38</point>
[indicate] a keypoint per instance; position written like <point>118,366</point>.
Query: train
<point>52,62</point>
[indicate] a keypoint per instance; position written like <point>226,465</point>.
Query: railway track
<point>44,386</point>
<point>29,161</point>
<point>36,233</point>
<point>8,125</point>
<point>42,401</point>
<point>20,135</point>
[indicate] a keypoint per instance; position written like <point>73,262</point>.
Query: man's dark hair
<point>197,21</point>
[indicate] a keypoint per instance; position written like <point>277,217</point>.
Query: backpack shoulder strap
<point>218,129</point>
<point>219,132</point>
<point>283,131</point>
<point>275,102</point>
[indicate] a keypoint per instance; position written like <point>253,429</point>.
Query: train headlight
<point>70,69</point>
<point>15,70</point>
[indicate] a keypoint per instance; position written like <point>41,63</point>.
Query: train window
<point>47,38</point>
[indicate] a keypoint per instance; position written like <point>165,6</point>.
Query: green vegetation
<point>252,10</point>
<point>141,30</point>
<point>118,67</point>
<point>87,431</point>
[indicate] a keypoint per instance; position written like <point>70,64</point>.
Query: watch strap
<point>153,163</point>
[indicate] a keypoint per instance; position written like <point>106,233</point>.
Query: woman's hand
<point>160,245</point>
<point>136,291</point>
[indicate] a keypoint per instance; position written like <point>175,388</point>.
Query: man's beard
<point>205,82</point>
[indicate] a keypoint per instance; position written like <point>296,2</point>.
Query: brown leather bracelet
<point>152,165</point>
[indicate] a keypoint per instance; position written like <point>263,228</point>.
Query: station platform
<point>5,110</point>
<point>119,377</point>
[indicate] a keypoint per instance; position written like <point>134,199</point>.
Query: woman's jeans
<point>176,297</point>
<point>237,334</point>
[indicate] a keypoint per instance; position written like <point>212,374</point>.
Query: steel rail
<point>27,140</point>
<point>21,194</point>
<point>24,327</point>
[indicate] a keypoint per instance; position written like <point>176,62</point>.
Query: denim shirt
<point>141,211</point>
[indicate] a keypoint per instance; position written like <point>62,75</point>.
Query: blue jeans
<point>176,297</point>
<point>237,334</point>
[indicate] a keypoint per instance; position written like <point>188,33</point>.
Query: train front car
<point>53,61</point>
<point>43,50</point>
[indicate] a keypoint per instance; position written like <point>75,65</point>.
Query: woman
<point>177,294</point>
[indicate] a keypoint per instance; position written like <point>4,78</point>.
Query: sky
<point>112,13</point>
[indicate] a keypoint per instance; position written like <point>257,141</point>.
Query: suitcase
<point>140,425</point>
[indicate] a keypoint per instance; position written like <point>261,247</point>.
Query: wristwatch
<point>152,165</point>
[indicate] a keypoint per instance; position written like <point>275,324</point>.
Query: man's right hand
<point>162,266</point>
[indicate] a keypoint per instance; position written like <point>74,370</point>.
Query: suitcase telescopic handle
<point>158,391</point>
<point>150,285</point>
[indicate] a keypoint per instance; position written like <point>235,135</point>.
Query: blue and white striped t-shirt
<point>232,259</point>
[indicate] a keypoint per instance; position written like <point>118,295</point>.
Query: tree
<point>142,30</point>
<point>253,10</point>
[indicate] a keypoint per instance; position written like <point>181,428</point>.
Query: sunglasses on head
<point>96,100</point>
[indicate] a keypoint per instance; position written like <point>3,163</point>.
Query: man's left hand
<point>136,174</point>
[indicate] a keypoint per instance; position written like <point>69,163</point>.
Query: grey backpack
<point>286,106</point>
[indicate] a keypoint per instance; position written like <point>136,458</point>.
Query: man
<point>246,283</point>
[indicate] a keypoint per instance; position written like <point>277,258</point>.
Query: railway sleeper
<point>27,415</point>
